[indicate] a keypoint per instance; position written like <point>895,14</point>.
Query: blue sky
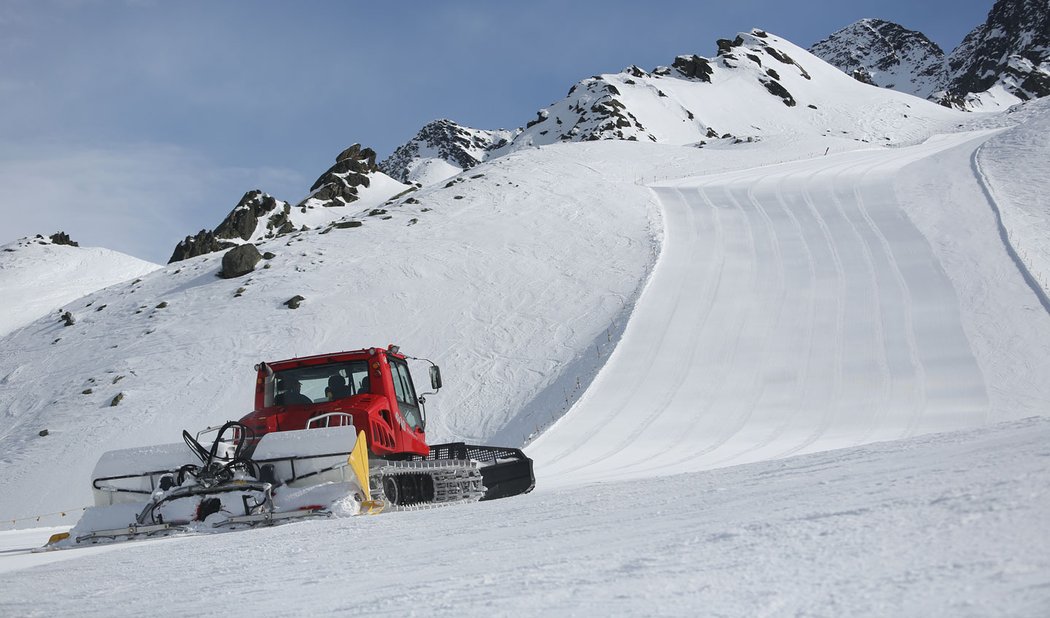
<point>130,124</point>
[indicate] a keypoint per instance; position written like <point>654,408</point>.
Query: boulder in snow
<point>239,261</point>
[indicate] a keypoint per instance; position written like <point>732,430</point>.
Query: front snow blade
<point>358,461</point>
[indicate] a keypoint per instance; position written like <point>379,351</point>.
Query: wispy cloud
<point>140,199</point>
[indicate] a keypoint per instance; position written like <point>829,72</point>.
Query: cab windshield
<point>318,383</point>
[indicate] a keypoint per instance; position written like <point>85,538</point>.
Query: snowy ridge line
<point>1004,235</point>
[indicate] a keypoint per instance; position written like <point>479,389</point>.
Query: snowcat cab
<point>373,388</point>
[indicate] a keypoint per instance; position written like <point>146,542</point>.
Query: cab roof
<point>333,357</point>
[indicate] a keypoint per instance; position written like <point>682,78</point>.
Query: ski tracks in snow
<point>794,308</point>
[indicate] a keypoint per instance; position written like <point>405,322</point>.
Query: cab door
<point>405,393</point>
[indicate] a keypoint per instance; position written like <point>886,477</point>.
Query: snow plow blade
<point>505,471</point>
<point>158,491</point>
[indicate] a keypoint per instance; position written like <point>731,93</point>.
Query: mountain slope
<point>476,277</point>
<point>811,306</point>
<point>38,277</point>
<point>758,85</point>
<point>1019,190</point>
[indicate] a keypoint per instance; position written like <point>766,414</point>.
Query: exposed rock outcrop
<point>1010,50</point>
<point>61,238</point>
<point>202,242</point>
<point>243,220</point>
<point>254,216</point>
<point>339,185</point>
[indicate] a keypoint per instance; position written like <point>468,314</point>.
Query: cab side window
<point>405,393</point>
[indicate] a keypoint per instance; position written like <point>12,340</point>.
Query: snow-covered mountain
<point>441,150</point>
<point>354,180</point>
<point>39,276</point>
<point>757,85</point>
<point>730,261</point>
<point>1004,60</point>
<point>1001,62</point>
<point>887,55</point>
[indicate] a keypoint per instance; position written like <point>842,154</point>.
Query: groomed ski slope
<point>799,307</point>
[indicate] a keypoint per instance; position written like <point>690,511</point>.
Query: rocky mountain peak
<point>339,185</point>
<point>441,149</point>
<point>885,54</point>
<point>240,225</point>
<point>61,238</point>
<point>1010,51</point>
<point>1001,62</point>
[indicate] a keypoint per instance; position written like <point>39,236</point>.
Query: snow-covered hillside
<point>813,305</point>
<point>641,314</point>
<point>504,279</point>
<point>38,278</point>
<point>1020,190</point>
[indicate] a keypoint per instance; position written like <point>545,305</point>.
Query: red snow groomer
<point>373,390</point>
<point>332,434</point>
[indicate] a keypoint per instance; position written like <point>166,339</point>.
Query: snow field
<point>937,525</point>
<point>38,277</point>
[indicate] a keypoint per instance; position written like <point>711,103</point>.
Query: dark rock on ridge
<point>61,238</point>
<point>338,186</point>
<point>192,246</point>
<point>239,225</point>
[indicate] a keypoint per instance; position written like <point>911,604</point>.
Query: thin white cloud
<point>139,199</point>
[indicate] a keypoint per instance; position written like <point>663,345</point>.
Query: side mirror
<point>435,377</point>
